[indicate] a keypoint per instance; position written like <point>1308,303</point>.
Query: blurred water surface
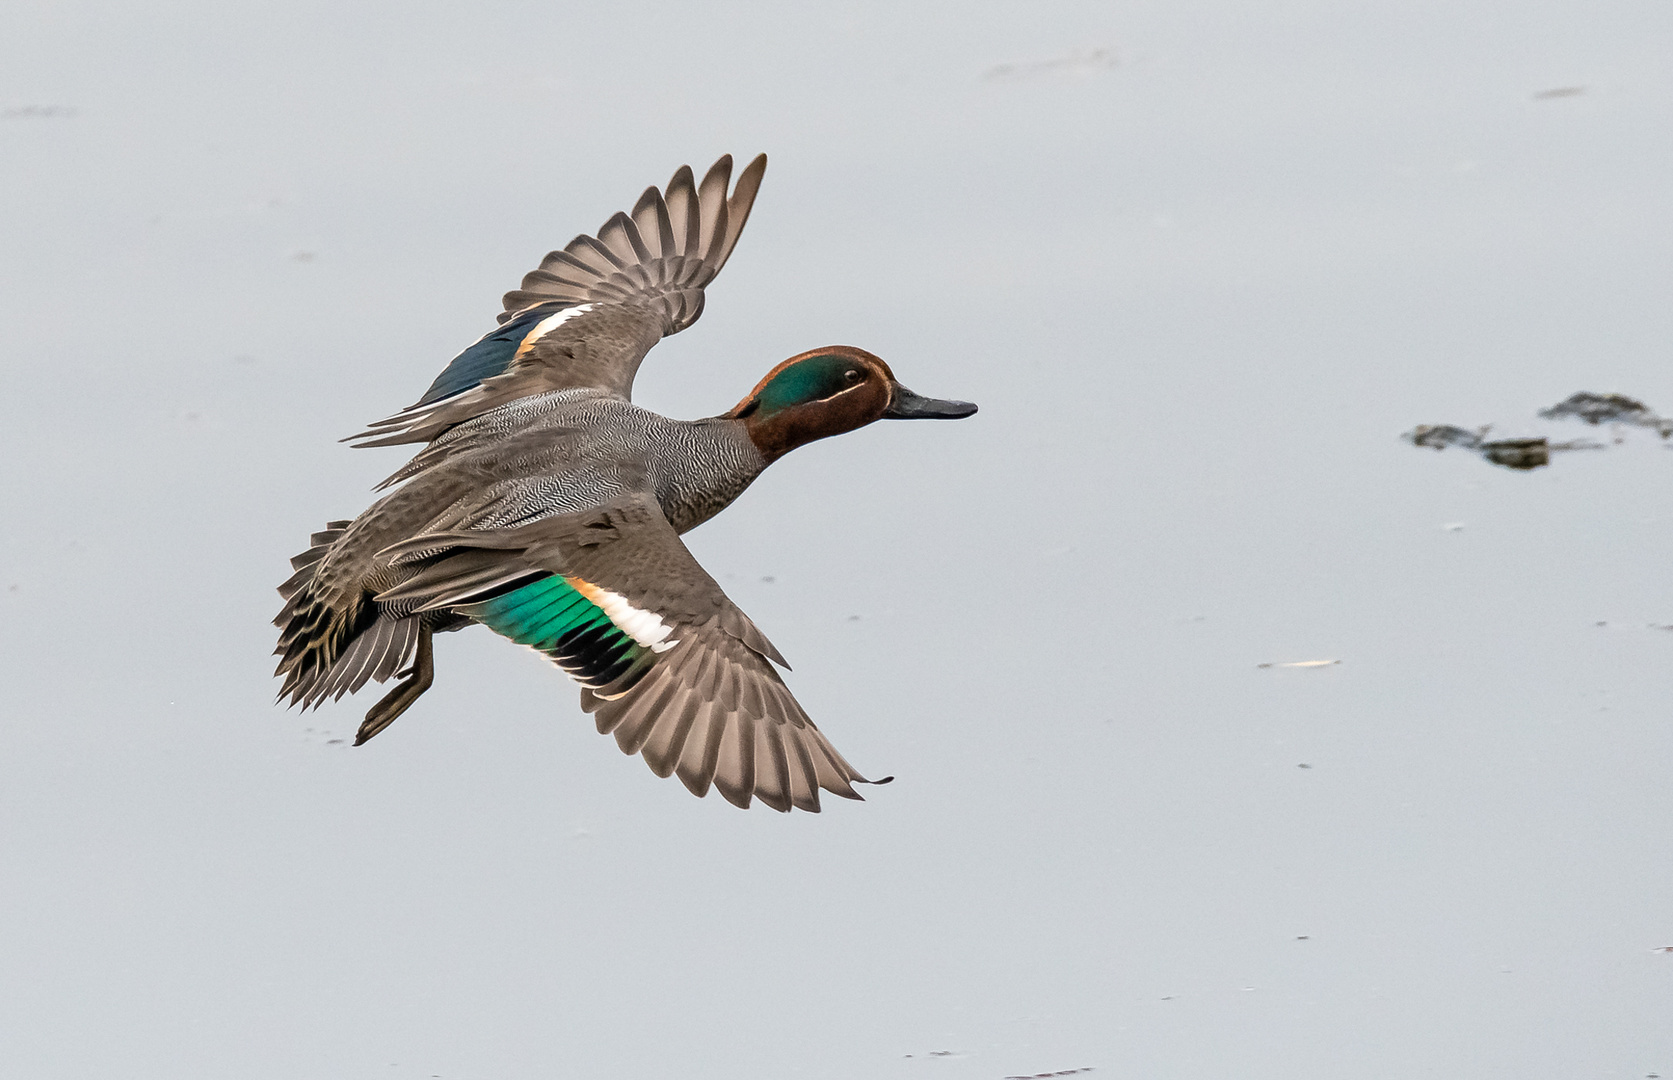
<point>1200,264</point>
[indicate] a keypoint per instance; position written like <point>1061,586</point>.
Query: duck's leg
<point>415,681</point>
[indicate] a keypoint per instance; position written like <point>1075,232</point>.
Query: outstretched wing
<point>667,663</point>
<point>589,314</point>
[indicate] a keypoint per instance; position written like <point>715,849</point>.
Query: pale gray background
<point>1197,294</point>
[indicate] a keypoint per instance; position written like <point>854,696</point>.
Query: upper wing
<point>667,662</point>
<point>591,312</point>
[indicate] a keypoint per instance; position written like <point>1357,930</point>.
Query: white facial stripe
<point>644,627</point>
<point>549,324</point>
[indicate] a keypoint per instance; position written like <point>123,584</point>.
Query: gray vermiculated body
<point>601,445</point>
<point>560,452</point>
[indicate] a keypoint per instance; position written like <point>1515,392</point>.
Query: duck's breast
<point>700,466</point>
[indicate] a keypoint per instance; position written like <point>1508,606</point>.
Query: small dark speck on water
<point>853,618</point>
<point>1559,92</point>
<point>1303,765</point>
<point>1304,937</point>
<point>1079,62</point>
<point>768,580</point>
<point>38,112</point>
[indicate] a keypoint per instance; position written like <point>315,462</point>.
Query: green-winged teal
<point>548,507</point>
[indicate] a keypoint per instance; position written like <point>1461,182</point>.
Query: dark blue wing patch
<point>490,356</point>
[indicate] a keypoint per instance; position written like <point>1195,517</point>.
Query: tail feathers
<point>303,564</point>
<point>331,642</point>
<point>373,656</point>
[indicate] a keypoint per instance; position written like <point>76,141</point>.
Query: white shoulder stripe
<point>547,325</point>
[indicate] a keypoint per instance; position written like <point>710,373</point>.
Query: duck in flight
<point>548,507</point>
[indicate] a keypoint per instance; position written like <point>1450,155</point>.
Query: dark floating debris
<point>1534,452</point>
<point>1559,92</point>
<point>1523,454</point>
<point>1441,436</point>
<point>1598,409</point>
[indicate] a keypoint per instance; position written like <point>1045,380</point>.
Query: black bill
<point>909,406</point>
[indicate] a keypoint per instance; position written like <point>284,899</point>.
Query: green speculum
<point>539,614</point>
<point>552,616</point>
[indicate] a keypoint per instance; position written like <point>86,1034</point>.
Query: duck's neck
<point>710,463</point>
<point>777,433</point>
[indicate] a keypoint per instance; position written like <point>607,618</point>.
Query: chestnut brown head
<point>830,391</point>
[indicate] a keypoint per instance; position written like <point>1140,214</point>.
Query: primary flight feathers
<point>589,314</point>
<point>662,254</point>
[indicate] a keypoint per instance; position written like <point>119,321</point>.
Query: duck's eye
<point>852,375</point>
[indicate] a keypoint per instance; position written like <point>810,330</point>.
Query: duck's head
<point>830,391</point>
